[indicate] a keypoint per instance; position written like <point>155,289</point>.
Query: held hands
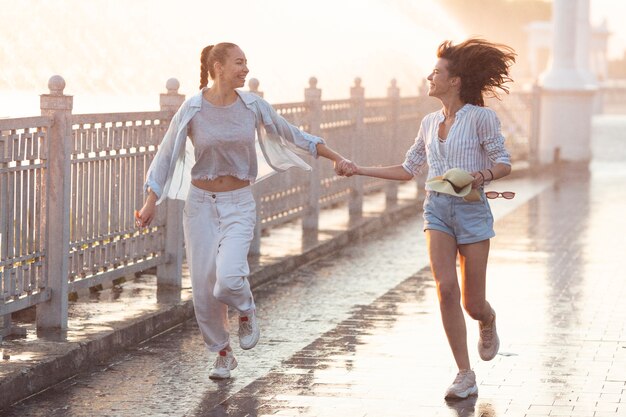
<point>345,168</point>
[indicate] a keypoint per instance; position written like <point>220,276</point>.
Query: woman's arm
<point>145,216</point>
<point>499,170</point>
<point>492,141</point>
<point>328,153</point>
<point>159,168</point>
<point>289,132</point>
<point>392,172</point>
<point>156,176</point>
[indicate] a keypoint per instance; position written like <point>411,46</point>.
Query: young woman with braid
<point>461,142</point>
<point>214,176</point>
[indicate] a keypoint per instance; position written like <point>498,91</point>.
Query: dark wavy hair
<point>209,56</point>
<point>482,66</point>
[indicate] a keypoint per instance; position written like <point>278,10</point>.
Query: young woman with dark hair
<point>462,137</point>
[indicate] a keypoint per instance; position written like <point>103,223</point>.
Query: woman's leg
<point>473,261</point>
<point>237,220</point>
<point>442,250</point>
<point>201,229</point>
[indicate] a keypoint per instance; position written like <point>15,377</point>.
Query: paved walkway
<point>358,333</point>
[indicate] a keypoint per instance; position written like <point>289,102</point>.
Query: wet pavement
<point>358,332</point>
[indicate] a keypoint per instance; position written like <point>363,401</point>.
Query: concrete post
<point>562,72</point>
<point>355,204</point>
<point>393,150</point>
<point>583,46</point>
<point>170,273</point>
<point>535,124</point>
<point>53,313</point>
<point>420,179</point>
<point>566,102</point>
<point>255,245</point>
<point>313,101</point>
<point>171,100</point>
<point>584,32</point>
<point>5,326</point>
<point>253,86</point>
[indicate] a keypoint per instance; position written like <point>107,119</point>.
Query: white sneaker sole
<point>219,376</point>
<point>222,374</point>
<point>254,339</point>
<point>461,395</point>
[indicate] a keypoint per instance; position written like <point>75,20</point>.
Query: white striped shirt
<point>474,143</point>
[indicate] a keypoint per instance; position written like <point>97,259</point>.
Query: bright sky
<point>123,47</point>
<point>126,50</point>
<point>614,12</point>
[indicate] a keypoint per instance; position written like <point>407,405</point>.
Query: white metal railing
<point>23,162</point>
<point>69,185</point>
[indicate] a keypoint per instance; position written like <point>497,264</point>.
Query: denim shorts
<point>467,222</point>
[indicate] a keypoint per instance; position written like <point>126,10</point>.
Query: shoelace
<point>245,326</point>
<point>220,361</point>
<point>486,334</point>
<point>460,377</point>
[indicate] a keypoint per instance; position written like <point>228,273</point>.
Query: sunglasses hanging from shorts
<point>495,194</point>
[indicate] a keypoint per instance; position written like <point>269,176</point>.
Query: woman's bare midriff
<point>221,184</point>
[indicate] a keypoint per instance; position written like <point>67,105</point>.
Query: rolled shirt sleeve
<point>293,135</point>
<point>159,170</point>
<point>415,157</point>
<point>491,138</point>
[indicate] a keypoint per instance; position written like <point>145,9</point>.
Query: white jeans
<point>218,230</point>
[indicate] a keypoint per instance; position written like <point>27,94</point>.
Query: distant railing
<point>69,185</point>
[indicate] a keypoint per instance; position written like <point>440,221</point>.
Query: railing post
<point>56,225</point>
<point>393,94</point>
<point>420,179</point>
<point>170,273</point>
<point>313,101</point>
<point>253,85</point>
<point>255,245</point>
<point>355,204</point>
<point>5,326</point>
<point>535,120</point>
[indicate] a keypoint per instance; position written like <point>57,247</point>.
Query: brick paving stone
<point>359,333</point>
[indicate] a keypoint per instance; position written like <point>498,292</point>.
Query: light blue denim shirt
<point>169,175</point>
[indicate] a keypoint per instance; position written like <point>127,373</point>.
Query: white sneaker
<point>463,386</point>
<point>489,342</point>
<point>224,363</point>
<point>249,331</point>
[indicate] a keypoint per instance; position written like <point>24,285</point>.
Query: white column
<point>562,72</point>
<point>566,99</point>
<point>583,48</point>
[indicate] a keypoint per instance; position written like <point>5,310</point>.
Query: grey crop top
<point>224,141</point>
